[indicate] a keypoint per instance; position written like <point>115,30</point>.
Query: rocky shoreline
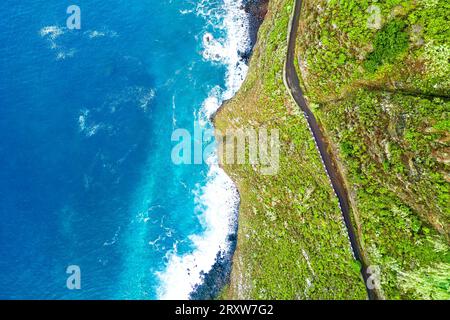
<point>219,275</point>
<point>256,11</point>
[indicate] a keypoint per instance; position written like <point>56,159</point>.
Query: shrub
<point>389,43</point>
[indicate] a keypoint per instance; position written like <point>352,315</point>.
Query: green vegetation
<point>393,156</point>
<point>340,47</point>
<point>292,242</point>
<point>380,88</point>
<point>386,110</point>
<point>388,44</point>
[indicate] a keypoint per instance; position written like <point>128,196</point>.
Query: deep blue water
<point>86,118</point>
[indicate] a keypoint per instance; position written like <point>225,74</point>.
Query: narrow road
<point>293,85</point>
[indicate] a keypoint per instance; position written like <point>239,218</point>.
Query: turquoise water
<point>86,118</point>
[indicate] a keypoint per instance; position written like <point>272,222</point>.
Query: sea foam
<point>218,200</point>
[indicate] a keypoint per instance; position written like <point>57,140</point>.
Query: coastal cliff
<point>292,242</point>
<point>386,118</point>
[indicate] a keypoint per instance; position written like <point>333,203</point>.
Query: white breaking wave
<point>210,105</point>
<point>218,200</point>
<point>227,51</point>
<point>92,34</point>
<point>53,32</point>
<point>86,126</point>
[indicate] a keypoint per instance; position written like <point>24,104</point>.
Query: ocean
<point>86,118</point>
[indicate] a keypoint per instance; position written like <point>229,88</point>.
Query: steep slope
<point>292,241</point>
<point>377,75</point>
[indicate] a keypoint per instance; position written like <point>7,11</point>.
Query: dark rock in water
<point>219,275</point>
<point>214,280</point>
<point>256,11</point>
<point>256,8</point>
<point>245,56</point>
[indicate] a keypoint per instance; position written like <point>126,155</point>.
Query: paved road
<point>292,82</point>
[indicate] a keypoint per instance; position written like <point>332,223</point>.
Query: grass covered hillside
<point>400,45</point>
<point>292,241</point>
<point>377,76</point>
